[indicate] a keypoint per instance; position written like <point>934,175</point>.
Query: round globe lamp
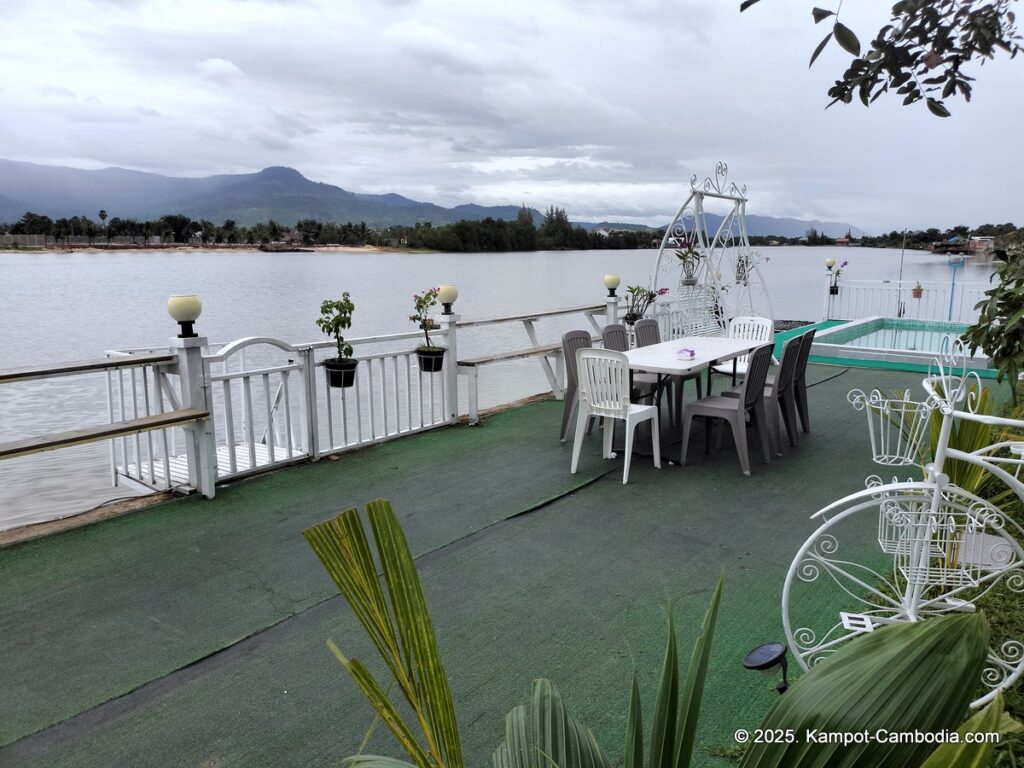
<point>611,282</point>
<point>185,308</point>
<point>447,294</point>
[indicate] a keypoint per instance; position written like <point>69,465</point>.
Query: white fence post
<point>611,310</point>
<point>200,439</point>
<point>309,376</point>
<point>450,372</point>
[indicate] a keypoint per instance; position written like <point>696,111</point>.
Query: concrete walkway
<point>193,633</point>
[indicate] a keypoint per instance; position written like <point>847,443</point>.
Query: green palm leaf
<point>905,677</point>
<point>663,730</point>
<point>966,755</point>
<point>693,691</point>
<point>403,635</point>
<point>545,735</point>
<point>375,761</point>
<point>634,755</point>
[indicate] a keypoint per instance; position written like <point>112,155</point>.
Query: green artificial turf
<point>575,590</point>
<point>94,613</point>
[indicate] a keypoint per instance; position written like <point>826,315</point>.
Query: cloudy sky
<point>604,108</point>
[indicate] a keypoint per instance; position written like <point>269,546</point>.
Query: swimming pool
<point>893,340</point>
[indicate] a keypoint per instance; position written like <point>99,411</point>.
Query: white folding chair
<point>603,378</point>
<point>760,329</point>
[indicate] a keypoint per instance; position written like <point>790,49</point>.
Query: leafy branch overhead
<point>921,52</point>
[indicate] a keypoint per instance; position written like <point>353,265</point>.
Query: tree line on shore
<point>920,239</point>
<point>556,232</point>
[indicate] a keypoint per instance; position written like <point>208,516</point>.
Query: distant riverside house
<point>955,244</point>
<point>981,244</point>
<point>842,241</point>
<point>603,232</point>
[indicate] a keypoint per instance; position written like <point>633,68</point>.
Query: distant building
<point>842,241</point>
<point>981,244</point>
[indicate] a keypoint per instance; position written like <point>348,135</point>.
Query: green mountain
<point>278,193</point>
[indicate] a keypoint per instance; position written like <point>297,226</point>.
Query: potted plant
<point>833,285</point>
<point>429,355</point>
<point>917,291</point>
<point>689,259</point>
<point>335,317</point>
<point>639,300</point>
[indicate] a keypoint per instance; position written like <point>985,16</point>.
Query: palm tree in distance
<point>103,218</point>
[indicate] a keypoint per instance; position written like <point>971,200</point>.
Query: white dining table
<point>665,358</point>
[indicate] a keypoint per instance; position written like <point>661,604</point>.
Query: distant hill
<point>277,193</point>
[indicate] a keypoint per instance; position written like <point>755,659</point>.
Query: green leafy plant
<point>335,317</point>
<point>639,300</point>
<point>676,713</point>
<point>423,303</point>
<point>999,331</point>
<point>689,258</point>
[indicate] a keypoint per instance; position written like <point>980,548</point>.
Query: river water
<point>57,307</point>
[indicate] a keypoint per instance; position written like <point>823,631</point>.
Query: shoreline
<point>299,248</point>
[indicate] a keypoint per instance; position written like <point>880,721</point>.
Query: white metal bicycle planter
<point>946,548</point>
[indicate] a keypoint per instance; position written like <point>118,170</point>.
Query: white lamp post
<point>611,282</point>
<point>185,308</point>
<point>447,294</point>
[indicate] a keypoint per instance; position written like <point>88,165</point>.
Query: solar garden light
<point>447,294</point>
<point>765,658</point>
<point>185,308</point>
<point>611,282</point>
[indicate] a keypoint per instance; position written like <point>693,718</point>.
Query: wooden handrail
<point>548,349</point>
<point>532,315</point>
<point>29,373</point>
<point>57,440</point>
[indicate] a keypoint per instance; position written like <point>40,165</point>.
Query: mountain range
<point>277,193</point>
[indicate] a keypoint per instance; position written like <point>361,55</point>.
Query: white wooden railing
<point>270,405</point>
<point>857,299</point>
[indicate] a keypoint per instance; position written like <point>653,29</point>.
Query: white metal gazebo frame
<point>727,282</point>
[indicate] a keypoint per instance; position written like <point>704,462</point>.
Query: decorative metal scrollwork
<point>727,272</point>
<point>719,183</point>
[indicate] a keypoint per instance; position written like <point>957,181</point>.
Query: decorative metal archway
<point>711,273</point>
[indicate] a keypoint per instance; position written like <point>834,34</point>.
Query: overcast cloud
<point>604,108</point>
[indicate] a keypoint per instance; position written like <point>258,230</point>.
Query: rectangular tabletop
<point>661,358</point>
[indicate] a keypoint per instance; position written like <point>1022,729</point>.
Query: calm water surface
<point>67,306</point>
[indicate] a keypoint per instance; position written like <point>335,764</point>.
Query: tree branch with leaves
<point>921,53</point>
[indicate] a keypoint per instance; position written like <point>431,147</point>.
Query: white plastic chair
<point>603,377</point>
<point>760,329</point>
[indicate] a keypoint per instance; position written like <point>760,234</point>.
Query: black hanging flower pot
<point>431,359</point>
<point>341,371</point>
<point>834,290</point>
